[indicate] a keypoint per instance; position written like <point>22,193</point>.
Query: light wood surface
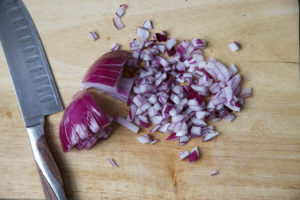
<point>258,154</point>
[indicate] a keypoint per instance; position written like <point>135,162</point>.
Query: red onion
<point>82,122</point>
<point>177,92</point>
<point>148,25</point>
<point>121,10</point>
<point>194,154</point>
<point>93,35</point>
<point>184,155</point>
<point>106,75</point>
<point>214,173</point>
<point>119,13</point>
<point>234,46</point>
<point>144,139</point>
<point>118,23</point>
<point>142,33</point>
<point>127,124</point>
<point>112,162</point>
<point>115,47</point>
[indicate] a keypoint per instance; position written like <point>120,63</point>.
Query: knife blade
<point>34,86</point>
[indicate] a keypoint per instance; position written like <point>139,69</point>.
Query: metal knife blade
<point>34,86</point>
<point>33,82</point>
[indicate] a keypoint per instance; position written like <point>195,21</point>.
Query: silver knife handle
<point>49,174</point>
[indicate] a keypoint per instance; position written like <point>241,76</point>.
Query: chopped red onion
<point>172,137</point>
<point>233,68</point>
<point>171,42</point>
<point>161,48</point>
<point>247,92</point>
<point>184,139</point>
<point>115,47</point>
<point>160,37</point>
<point>121,10</point>
<point>154,141</point>
<point>210,136</point>
<point>234,46</point>
<point>194,154</point>
<point>81,122</point>
<point>118,23</point>
<point>148,25</point>
<point>144,139</point>
<point>184,154</point>
<point>198,43</point>
<point>93,35</point>
<point>177,87</point>
<point>112,162</point>
<point>127,124</point>
<point>196,130</point>
<point>142,33</point>
<point>214,173</point>
<point>155,128</point>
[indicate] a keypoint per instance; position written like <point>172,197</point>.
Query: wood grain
<point>258,154</point>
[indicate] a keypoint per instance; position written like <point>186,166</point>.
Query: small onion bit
<point>214,173</point>
<point>117,19</point>
<point>184,155</point>
<point>113,163</point>
<point>142,33</point>
<point>194,154</point>
<point>148,25</point>
<point>121,10</point>
<point>118,23</point>
<point>93,35</point>
<point>127,124</point>
<point>115,47</point>
<point>234,46</point>
<point>145,139</point>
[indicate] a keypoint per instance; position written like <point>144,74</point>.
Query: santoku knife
<point>34,86</point>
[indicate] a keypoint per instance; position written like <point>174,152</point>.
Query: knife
<point>34,86</point>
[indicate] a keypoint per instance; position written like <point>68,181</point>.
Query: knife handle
<point>49,174</point>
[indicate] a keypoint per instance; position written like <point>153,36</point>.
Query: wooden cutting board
<point>258,154</point>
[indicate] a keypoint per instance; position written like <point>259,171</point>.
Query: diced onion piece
<point>161,48</point>
<point>210,136</point>
<point>172,136</point>
<point>234,46</point>
<point>118,23</point>
<point>246,92</point>
<point>142,33</point>
<point>112,162</point>
<point>194,154</point>
<point>198,43</point>
<point>144,139</point>
<point>93,35</point>
<point>148,25</point>
<point>196,130</point>
<point>121,10</point>
<point>170,43</point>
<point>184,155</point>
<point>233,68</point>
<point>115,47</point>
<point>214,173</point>
<point>154,141</point>
<point>127,124</point>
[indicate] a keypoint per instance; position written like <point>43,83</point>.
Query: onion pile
<point>166,83</point>
<point>177,90</point>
